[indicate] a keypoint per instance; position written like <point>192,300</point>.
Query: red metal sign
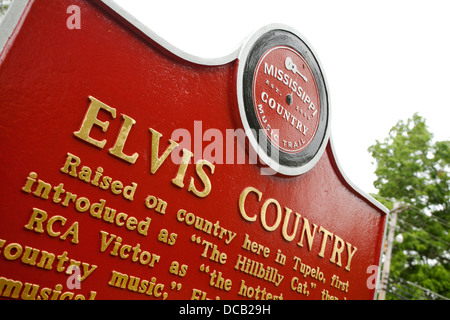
<point>134,171</point>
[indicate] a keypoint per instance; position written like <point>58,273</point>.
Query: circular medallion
<point>286,99</point>
<point>283,100</point>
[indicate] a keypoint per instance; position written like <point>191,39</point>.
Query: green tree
<point>4,5</point>
<point>414,171</point>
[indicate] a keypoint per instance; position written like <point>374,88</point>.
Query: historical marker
<point>132,170</point>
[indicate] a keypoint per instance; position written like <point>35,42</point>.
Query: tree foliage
<point>4,5</point>
<point>414,171</point>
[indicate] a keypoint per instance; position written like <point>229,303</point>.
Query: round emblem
<point>283,100</point>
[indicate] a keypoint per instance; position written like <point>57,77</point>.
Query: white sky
<point>383,60</point>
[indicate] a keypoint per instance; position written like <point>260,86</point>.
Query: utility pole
<point>396,209</point>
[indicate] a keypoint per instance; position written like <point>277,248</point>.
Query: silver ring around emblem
<point>289,129</point>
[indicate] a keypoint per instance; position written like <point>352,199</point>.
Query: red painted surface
<point>47,74</point>
<point>303,102</point>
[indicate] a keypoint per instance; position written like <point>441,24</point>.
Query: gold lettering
<point>338,247</point>
<point>126,251</point>
<point>309,235</point>
<point>203,177</point>
<point>26,259</point>
<point>85,175</point>
<point>29,256</point>
<point>290,229</point>
<point>13,251</point>
<point>120,216</point>
<point>135,284</point>
<point>286,222</point>
<point>351,253</point>
<point>263,214</point>
<point>157,161</point>
<point>117,149</point>
<point>50,225</point>
<point>43,189</point>
<point>91,119</point>
<point>255,247</point>
<point>206,226</point>
<point>326,234</point>
<point>177,269</point>
<point>37,218</point>
<point>242,199</point>
<point>36,224</point>
<point>10,288</point>
<point>73,162</point>
<point>31,179</point>
<point>116,187</point>
<point>178,180</point>
<point>47,259</point>
<point>72,231</point>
